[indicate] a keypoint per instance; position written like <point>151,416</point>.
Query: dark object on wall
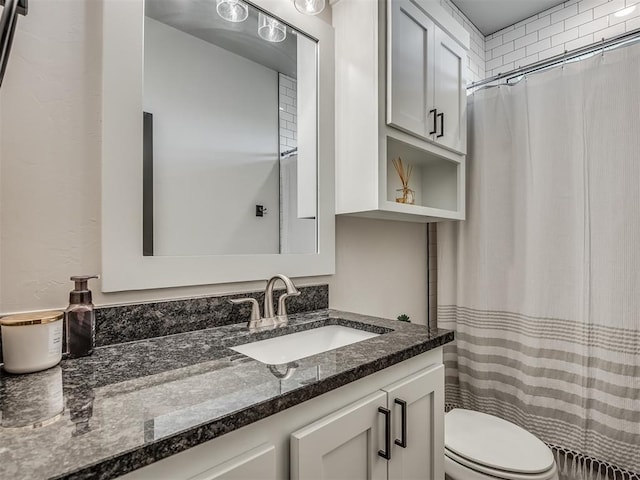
<point>8,22</point>
<point>147,185</point>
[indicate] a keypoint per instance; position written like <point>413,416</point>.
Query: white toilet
<point>483,447</point>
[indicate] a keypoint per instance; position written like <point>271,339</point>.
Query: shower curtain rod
<point>629,37</point>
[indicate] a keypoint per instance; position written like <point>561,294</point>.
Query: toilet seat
<point>489,445</point>
<point>497,473</point>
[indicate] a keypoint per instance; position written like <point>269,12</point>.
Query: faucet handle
<point>282,307</point>
<point>255,308</point>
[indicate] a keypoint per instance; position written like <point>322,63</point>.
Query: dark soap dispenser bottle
<point>80,319</point>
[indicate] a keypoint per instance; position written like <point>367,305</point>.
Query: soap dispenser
<point>80,319</point>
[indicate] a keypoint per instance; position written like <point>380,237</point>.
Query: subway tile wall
<point>476,53</point>
<point>288,108</point>
<point>573,24</point>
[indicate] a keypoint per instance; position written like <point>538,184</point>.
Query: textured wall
<point>50,150</point>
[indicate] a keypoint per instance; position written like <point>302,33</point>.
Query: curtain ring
<point>525,75</point>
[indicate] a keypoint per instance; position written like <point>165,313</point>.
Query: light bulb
<point>270,29</point>
<point>235,11</point>
<point>309,7</point>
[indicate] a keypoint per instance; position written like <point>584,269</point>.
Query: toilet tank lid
<point>495,443</point>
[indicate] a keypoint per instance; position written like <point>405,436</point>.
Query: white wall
<point>50,185</point>
<point>570,25</point>
<point>215,122</point>
<point>381,268</point>
<point>50,149</point>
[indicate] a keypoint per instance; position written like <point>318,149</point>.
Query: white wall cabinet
<point>450,97</point>
<point>400,92</point>
<point>425,81</point>
<point>347,438</point>
<point>395,433</point>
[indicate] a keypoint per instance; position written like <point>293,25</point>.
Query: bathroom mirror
<point>227,91</point>
<point>217,143</point>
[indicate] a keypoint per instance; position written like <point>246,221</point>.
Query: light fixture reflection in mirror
<point>309,7</point>
<point>270,29</point>
<point>235,11</point>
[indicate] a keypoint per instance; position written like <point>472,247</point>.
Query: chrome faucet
<point>270,318</point>
<point>292,291</point>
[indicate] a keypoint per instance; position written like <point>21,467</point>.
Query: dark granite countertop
<point>131,404</point>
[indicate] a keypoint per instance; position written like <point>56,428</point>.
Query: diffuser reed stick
<point>405,176</point>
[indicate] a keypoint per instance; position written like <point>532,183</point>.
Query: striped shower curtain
<point>542,281</point>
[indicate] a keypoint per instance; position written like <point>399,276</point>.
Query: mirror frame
<point>123,265</point>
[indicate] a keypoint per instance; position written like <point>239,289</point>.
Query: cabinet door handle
<point>435,121</point>
<point>402,442</point>
<point>386,453</point>
<point>441,115</point>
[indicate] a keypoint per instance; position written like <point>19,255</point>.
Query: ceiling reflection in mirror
<point>230,131</point>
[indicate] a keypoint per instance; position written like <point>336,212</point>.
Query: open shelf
<point>435,180</point>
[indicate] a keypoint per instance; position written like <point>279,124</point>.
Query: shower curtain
<point>542,281</point>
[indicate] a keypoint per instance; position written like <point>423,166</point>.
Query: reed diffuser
<point>404,194</point>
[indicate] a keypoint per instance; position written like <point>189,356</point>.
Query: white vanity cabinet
<point>232,460</point>
<point>417,449</point>
<point>259,462</point>
<point>345,441</point>
<point>425,77</point>
<point>396,432</point>
<point>400,93</point>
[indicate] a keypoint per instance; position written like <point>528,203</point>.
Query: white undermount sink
<point>295,346</point>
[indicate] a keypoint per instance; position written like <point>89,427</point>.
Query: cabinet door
<point>450,92</point>
<point>343,445</point>
<point>418,451</point>
<point>256,464</point>
<point>206,462</point>
<point>410,68</point>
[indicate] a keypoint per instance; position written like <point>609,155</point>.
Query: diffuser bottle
<point>80,319</point>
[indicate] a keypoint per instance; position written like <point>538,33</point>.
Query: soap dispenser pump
<point>80,319</point>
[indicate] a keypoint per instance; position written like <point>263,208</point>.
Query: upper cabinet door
<point>426,89</point>
<point>410,64</point>
<point>450,92</point>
